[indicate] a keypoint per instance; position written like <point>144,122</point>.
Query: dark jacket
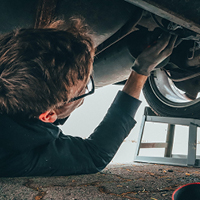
<point>35,148</point>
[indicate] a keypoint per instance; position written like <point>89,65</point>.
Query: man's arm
<point>125,105</point>
<point>134,84</point>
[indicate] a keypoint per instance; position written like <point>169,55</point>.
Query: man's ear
<point>49,116</point>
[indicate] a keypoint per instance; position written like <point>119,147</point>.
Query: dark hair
<point>37,66</point>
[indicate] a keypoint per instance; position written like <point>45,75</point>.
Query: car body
<point>121,31</point>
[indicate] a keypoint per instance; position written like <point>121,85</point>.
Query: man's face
<point>75,90</point>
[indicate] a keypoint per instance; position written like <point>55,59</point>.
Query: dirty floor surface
<point>136,181</point>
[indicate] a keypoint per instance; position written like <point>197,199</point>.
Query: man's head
<point>40,69</point>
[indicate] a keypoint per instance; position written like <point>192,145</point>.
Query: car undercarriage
<point>121,31</point>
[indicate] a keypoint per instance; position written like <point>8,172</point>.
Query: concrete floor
<point>136,181</point>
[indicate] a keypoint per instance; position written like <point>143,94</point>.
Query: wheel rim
<point>167,92</point>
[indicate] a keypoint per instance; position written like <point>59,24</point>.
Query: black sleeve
<point>73,155</point>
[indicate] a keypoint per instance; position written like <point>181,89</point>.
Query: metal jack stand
<point>187,160</point>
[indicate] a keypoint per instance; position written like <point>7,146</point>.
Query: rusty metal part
<point>191,87</point>
<point>185,13</point>
<point>184,78</point>
<point>195,59</point>
<point>127,29</point>
<point>45,12</point>
<point>103,17</point>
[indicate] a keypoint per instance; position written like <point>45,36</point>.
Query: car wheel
<point>166,99</point>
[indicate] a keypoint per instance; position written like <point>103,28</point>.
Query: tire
<point>167,100</point>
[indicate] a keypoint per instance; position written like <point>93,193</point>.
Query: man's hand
<point>154,55</point>
<point>146,62</point>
